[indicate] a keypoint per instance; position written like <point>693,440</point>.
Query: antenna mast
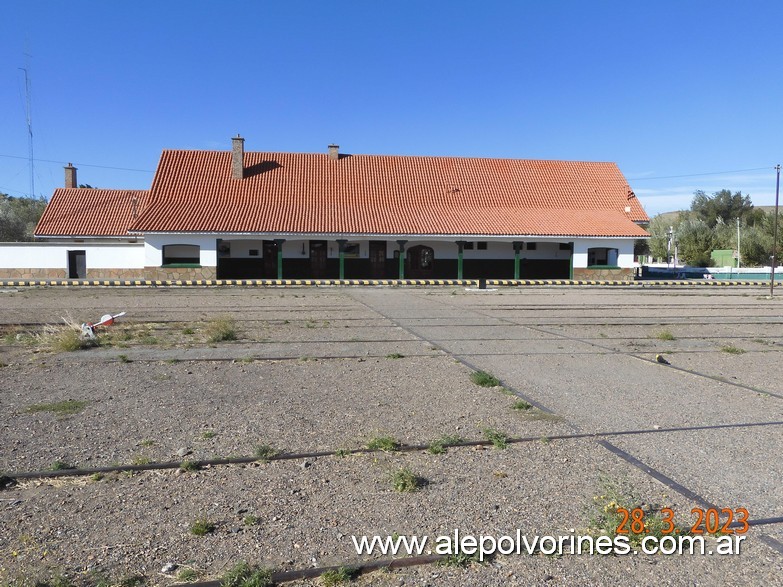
<point>29,112</point>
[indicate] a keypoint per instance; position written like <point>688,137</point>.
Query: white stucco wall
<point>153,248</point>
<point>624,250</point>
<point>240,249</point>
<point>43,255</point>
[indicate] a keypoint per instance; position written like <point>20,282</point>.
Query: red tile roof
<point>91,212</point>
<point>388,195</point>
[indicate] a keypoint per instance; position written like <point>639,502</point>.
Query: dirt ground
<point>328,371</point>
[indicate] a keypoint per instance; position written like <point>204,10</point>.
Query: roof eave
<point>370,235</point>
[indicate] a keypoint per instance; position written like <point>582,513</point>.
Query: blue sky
<point>664,89</point>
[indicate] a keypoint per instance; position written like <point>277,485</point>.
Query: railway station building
<point>265,215</point>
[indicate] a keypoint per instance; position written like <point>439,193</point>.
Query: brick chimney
<point>70,176</point>
<point>237,157</point>
<point>334,152</point>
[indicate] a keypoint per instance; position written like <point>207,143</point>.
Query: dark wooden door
<point>421,262</point>
<point>270,259</point>
<point>77,264</point>
<point>318,259</point>
<point>377,259</point>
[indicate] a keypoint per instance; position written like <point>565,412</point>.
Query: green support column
<point>279,242</point>
<point>517,248</point>
<point>571,262</point>
<point>341,247</point>
<point>402,258</point>
<point>460,252</point>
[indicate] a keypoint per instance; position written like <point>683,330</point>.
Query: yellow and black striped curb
<point>229,282</point>
<point>369,282</point>
<point>636,283</point>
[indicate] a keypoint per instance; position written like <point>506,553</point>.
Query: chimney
<point>70,176</point>
<point>334,152</point>
<point>237,157</point>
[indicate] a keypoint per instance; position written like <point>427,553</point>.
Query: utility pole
<point>775,234</point>
<point>29,123</point>
<point>738,243</point>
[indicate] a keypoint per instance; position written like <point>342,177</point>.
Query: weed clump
<point>439,445</point>
<point>733,350</point>
<point>64,408</point>
<point>405,481</point>
<point>606,516</point>
<point>335,577</point>
<point>498,439</point>
<point>484,379</point>
<point>187,575</point>
<point>202,527</point>
<point>460,560</point>
<point>385,443</point>
<point>264,452</point>
<point>221,328</point>
<point>245,575</point>
<point>189,466</point>
<point>70,340</point>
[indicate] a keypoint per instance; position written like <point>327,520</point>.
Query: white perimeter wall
<point>43,255</point>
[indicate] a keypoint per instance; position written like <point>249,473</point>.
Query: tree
<point>768,228</point>
<point>659,235</point>
<point>696,240</point>
<point>641,247</point>
<point>722,206</point>
<point>18,217</point>
<point>755,246</point>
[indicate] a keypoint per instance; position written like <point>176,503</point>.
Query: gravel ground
<point>313,369</point>
<point>152,410</point>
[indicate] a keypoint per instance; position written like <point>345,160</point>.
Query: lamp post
<point>739,256</point>
<point>775,234</point>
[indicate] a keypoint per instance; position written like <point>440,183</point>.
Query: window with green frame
<point>602,257</point>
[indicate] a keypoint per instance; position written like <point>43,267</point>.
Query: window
<point>468,246</point>
<point>531,246</point>
<point>181,255</point>
<point>481,246</point>
<point>352,250</point>
<point>601,256</point>
<point>253,253</point>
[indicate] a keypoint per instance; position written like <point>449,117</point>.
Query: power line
<point>5,189</point>
<point>700,174</point>
<point>82,164</point>
<point>629,179</point>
